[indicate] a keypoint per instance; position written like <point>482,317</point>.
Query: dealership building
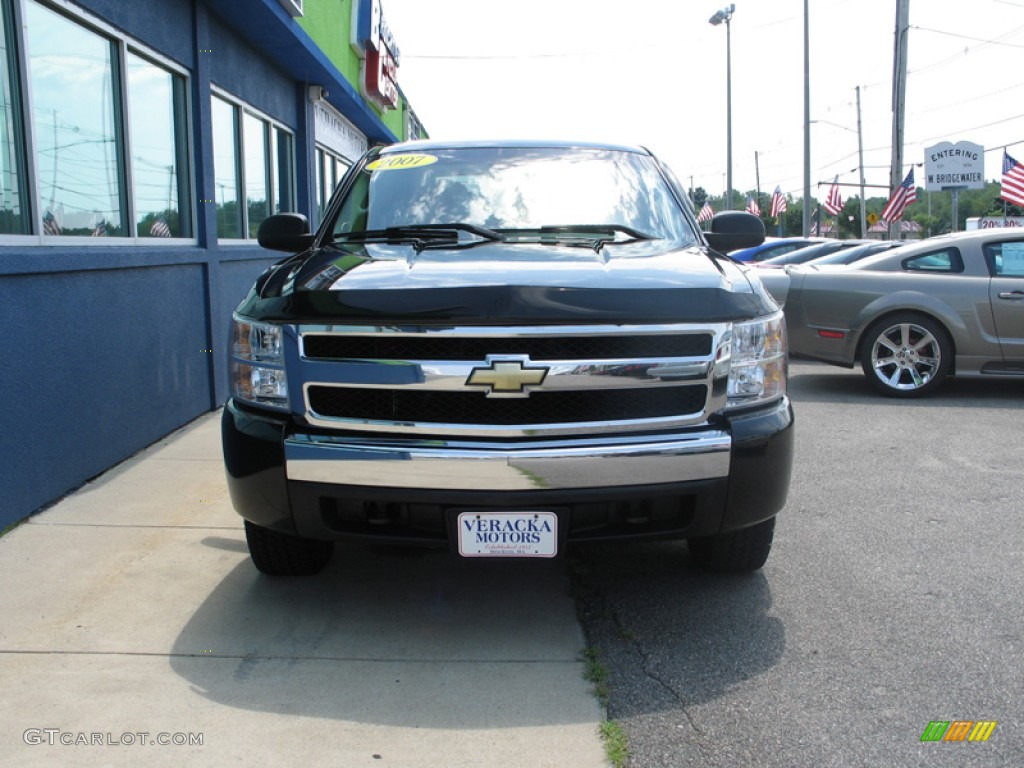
<point>142,145</point>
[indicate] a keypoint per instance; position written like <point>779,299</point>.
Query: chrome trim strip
<point>501,430</point>
<point>498,332</point>
<point>446,376</point>
<point>420,464</point>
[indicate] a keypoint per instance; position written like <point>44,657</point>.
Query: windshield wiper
<point>421,236</point>
<point>594,236</point>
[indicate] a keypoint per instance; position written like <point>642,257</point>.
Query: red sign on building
<point>373,42</point>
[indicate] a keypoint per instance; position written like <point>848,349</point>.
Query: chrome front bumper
<point>548,465</point>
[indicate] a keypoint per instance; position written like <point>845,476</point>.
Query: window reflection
<point>320,202</point>
<point>13,219</point>
<point>330,168</point>
<point>284,179</point>
<point>255,132</point>
<point>225,169</point>
<point>266,153</point>
<point>159,173</point>
<point>521,189</point>
<point>81,178</point>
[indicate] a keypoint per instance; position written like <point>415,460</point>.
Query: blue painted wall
<point>105,350</point>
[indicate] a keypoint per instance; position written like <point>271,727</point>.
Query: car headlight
<point>757,368</point>
<point>257,364</point>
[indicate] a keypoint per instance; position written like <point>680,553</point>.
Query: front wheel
<point>278,554</point>
<point>906,355</point>
<point>736,551</point>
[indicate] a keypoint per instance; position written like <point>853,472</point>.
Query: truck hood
<point>505,283</point>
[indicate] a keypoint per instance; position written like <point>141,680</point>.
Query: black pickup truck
<point>503,349</point>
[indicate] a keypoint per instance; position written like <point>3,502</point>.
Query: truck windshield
<point>513,190</point>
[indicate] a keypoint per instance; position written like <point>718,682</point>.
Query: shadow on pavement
<point>821,383</point>
<point>415,638</point>
<point>671,635</point>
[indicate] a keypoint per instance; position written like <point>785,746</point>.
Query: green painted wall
<point>329,23</point>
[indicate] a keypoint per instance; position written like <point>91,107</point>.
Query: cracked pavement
<point>892,598</point>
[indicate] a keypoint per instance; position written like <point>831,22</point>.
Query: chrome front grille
<point>509,382</point>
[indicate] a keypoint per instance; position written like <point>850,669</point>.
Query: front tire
<point>278,554</point>
<point>736,551</point>
<point>906,355</point>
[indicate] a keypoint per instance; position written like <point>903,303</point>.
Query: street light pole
<point>726,15</point>
<point>860,160</point>
<point>807,125</point>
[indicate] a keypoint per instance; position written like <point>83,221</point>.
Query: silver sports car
<point>948,305</point>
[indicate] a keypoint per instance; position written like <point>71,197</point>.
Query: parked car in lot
<point>773,246</point>
<point>811,252</point>
<point>949,305</point>
<point>845,256</point>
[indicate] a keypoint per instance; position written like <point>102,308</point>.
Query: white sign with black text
<point>960,166</point>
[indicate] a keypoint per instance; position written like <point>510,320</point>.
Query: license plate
<point>508,534</point>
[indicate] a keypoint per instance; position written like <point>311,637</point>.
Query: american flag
<point>706,213</point>
<point>1013,180</point>
<point>752,206</point>
<point>905,194</point>
<point>778,203</point>
<point>160,228</point>
<point>834,201</point>
<point>50,225</point>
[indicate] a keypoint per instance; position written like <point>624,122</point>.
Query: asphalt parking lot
<point>892,597</point>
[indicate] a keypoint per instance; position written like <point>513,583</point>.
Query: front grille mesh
<point>561,407</point>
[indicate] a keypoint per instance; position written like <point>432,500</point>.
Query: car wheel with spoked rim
<point>906,355</point>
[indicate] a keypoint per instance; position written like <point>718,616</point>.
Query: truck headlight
<point>257,364</point>
<point>757,372</point>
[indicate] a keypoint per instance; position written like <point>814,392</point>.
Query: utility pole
<point>807,125</point>
<point>899,99</point>
<point>757,179</point>
<point>728,105</point>
<point>860,157</point>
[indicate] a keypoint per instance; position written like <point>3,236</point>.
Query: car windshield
<point>850,255</point>
<point>513,191</point>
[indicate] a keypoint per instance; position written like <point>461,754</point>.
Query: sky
<point>653,73</point>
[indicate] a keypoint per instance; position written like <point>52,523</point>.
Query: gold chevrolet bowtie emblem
<point>507,377</point>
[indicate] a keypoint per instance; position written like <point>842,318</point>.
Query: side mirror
<point>732,230</point>
<point>285,232</point>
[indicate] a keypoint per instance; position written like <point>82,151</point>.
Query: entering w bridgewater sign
<point>960,165</point>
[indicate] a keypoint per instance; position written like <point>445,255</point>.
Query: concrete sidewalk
<point>131,608</point>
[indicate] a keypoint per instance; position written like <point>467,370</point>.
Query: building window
<point>14,219</point>
<point>257,171</point>
<point>159,139</point>
<point>329,170</point>
<point>78,153</point>
<point>96,102</point>
<point>282,176</point>
<point>253,159</point>
<point>225,169</point>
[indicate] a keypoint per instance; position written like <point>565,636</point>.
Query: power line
<point>973,128</point>
<point>961,102</point>
<point>998,41</point>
